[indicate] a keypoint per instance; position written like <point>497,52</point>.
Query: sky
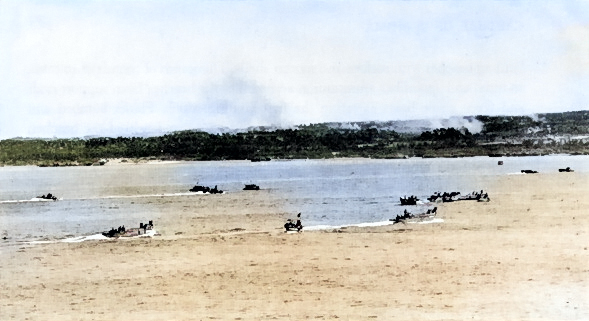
<point>110,68</point>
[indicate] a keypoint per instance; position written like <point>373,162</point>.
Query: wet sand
<point>522,256</point>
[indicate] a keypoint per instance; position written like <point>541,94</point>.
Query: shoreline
<point>155,235</point>
<point>150,161</point>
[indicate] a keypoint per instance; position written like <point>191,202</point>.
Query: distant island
<point>542,134</point>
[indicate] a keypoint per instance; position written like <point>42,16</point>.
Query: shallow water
<point>328,192</point>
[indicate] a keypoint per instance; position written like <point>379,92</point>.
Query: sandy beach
<point>522,256</point>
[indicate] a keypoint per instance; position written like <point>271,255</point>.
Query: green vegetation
<point>501,135</point>
<point>43,152</point>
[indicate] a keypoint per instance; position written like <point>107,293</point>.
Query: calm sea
<point>327,192</point>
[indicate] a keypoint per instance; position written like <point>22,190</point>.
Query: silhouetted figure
<point>406,214</point>
<point>289,225</point>
<point>398,219</point>
<point>299,225</point>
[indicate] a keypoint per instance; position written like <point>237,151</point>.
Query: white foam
<point>373,224</point>
<point>321,227</point>
<point>85,238</point>
<point>152,195</point>
<point>148,233</point>
<point>435,220</point>
<point>369,224</point>
<point>95,237</point>
<point>327,227</point>
<point>34,199</point>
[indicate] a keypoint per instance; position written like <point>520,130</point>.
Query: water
<point>327,192</point>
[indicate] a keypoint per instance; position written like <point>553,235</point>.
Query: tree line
<point>306,141</point>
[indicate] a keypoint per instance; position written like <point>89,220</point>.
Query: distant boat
<point>200,188</point>
<point>251,187</point>
<point>408,217</point>
<point>205,190</point>
<point>568,169</point>
<point>529,171</point>
<point>48,197</point>
<point>411,200</point>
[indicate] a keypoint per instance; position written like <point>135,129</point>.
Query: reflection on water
<point>327,192</point>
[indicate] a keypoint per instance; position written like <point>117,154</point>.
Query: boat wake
<point>95,237</point>
<point>435,220</point>
<point>32,200</point>
<point>371,224</point>
<point>147,195</point>
<point>36,199</point>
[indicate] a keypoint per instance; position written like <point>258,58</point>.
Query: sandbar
<point>521,256</point>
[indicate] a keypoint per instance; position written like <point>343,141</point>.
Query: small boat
<point>411,200</point>
<point>251,187</point>
<point>205,190</point>
<point>456,196</point>
<point>121,231</point>
<point>529,171</point>
<point>568,170</point>
<point>261,159</point>
<point>474,196</point>
<point>48,197</point>
<point>445,197</point>
<point>200,188</point>
<point>290,226</point>
<point>408,217</point>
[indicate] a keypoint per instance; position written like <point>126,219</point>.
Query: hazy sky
<point>75,68</point>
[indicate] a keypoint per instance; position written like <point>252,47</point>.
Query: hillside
<point>456,137</point>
